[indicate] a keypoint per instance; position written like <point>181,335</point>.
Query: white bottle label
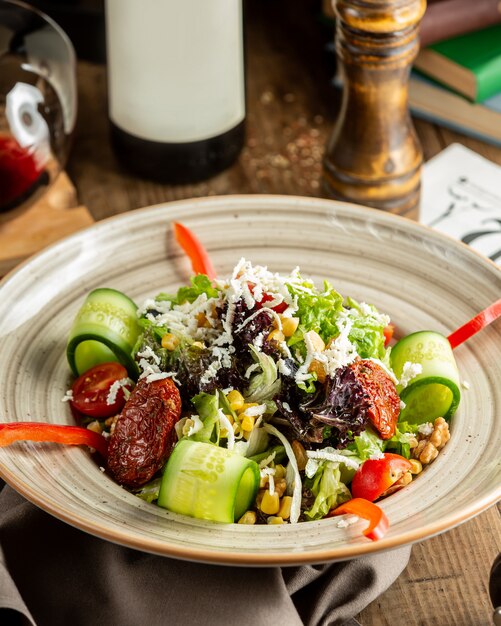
<point>175,68</point>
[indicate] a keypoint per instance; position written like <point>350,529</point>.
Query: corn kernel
<point>285,507</point>
<point>276,335</point>
<point>229,417</point>
<point>316,341</point>
<point>202,321</point>
<point>274,520</point>
<point>235,400</point>
<point>279,472</point>
<point>247,434</point>
<point>270,503</point>
<point>300,454</point>
<point>247,422</point>
<point>417,466</point>
<point>95,426</point>
<point>170,341</point>
<point>318,368</point>
<point>249,517</point>
<point>289,325</point>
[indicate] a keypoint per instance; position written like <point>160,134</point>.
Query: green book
<point>469,64</point>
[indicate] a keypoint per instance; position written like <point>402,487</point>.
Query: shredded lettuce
<point>368,444</point>
<point>149,492</point>
<point>264,384</point>
<point>207,407</point>
<point>328,488</point>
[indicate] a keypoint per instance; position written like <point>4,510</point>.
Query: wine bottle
<point>176,86</point>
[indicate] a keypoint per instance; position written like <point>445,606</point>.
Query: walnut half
<point>429,445</point>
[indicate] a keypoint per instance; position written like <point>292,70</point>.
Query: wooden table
<point>291,110</point>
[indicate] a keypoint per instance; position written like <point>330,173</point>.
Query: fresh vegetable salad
<point>260,398</point>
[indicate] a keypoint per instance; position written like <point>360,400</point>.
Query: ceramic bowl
<point>422,279</point>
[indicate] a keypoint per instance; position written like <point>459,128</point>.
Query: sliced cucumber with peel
<point>208,482</point>
<point>105,329</point>
<point>435,391</point>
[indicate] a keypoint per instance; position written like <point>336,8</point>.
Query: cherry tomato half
<point>279,308</point>
<point>375,476</point>
<point>388,334</point>
<point>91,389</point>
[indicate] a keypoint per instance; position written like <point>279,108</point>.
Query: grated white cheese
<point>376,455</point>
<point>255,411</point>
<point>68,396</point>
<point>115,388</point>
<point>402,405</point>
<point>409,371</point>
<point>151,378</point>
<point>425,429</point>
<point>270,472</point>
<point>265,462</point>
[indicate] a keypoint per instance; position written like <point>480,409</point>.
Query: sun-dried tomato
<point>144,433</point>
<point>384,402</point>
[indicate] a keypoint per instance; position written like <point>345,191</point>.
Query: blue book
<point>434,103</point>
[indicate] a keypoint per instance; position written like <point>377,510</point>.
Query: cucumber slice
<point>435,391</point>
<point>208,482</point>
<point>105,329</point>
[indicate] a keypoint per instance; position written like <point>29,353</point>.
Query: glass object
<point>176,86</point>
<point>37,103</point>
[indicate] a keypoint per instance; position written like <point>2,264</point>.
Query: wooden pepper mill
<point>373,156</point>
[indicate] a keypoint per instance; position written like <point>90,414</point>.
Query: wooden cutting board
<point>56,215</point>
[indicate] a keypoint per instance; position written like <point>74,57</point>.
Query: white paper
<point>461,196</point>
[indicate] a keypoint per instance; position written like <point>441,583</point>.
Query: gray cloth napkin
<point>54,575</point>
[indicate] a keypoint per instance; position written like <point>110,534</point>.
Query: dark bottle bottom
<point>177,163</point>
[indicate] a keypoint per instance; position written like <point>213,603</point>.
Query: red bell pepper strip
<point>378,522</point>
<point>477,323</point>
<point>55,433</point>
<point>375,476</point>
<point>388,334</point>
<point>200,261</point>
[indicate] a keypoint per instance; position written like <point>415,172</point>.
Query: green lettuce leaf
<point>207,408</point>
<point>328,489</point>
<point>367,331</point>
<point>399,443</point>
<point>264,384</point>
<point>199,284</point>
<point>316,310</point>
<point>367,444</point>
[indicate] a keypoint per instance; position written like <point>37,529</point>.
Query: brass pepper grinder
<point>373,156</point>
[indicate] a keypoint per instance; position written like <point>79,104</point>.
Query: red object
<point>388,334</point>
<point>200,261</point>
<point>91,389</point>
<point>375,476</point>
<point>384,402</point>
<point>479,322</point>
<point>378,522</point>
<point>55,433</point>
<point>279,308</point>
<point>144,433</point>
<point>18,172</point>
